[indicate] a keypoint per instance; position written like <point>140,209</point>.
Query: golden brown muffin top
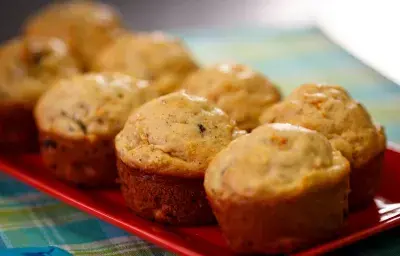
<point>90,105</point>
<point>275,160</point>
<point>156,57</point>
<point>330,110</point>
<point>86,26</point>
<point>238,90</point>
<point>177,134</point>
<point>28,67</point>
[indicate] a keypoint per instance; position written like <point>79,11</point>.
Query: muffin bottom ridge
<point>367,176</point>
<point>79,162</point>
<point>18,133</point>
<point>165,199</point>
<point>297,221</point>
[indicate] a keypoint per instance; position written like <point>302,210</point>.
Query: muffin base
<point>281,225</point>
<point>18,133</point>
<point>364,183</point>
<point>79,162</point>
<point>165,199</point>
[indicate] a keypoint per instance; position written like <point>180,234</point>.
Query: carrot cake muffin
<point>238,90</point>
<point>162,154</point>
<point>27,68</point>
<point>278,189</point>
<point>156,57</point>
<point>331,111</point>
<point>78,119</point>
<point>87,26</point>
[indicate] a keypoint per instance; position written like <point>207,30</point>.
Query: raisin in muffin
<point>331,111</point>
<point>27,69</point>
<point>279,189</point>
<point>241,92</point>
<point>162,154</point>
<point>156,57</point>
<point>78,119</point>
<point>86,26</point>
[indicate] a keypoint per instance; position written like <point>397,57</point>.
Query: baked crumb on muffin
<point>78,119</point>
<point>330,110</point>
<point>278,189</point>
<point>237,89</point>
<point>86,26</point>
<point>157,57</point>
<point>28,67</point>
<point>162,154</point>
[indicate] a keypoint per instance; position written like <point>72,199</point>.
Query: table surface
<point>288,57</point>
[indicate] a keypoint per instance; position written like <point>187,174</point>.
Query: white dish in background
<point>366,29</point>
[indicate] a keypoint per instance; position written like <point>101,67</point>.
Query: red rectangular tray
<point>108,205</point>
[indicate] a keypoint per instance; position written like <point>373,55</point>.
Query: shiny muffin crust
<point>159,58</point>
<point>162,153</point>
<point>278,189</point>
<point>237,89</point>
<point>330,110</point>
<point>78,119</point>
<point>27,68</point>
<point>86,26</point>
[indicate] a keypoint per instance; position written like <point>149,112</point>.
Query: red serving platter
<point>109,206</point>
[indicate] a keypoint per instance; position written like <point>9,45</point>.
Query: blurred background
<point>363,28</point>
<point>177,14</point>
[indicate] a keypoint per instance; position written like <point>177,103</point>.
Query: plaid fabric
<point>29,218</point>
<point>288,57</point>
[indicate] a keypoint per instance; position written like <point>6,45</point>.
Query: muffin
<point>241,92</point>
<point>86,26</point>
<point>331,111</point>
<point>278,189</point>
<point>163,152</point>
<point>78,119</point>
<point>27,69</point>
<point>156,57</point>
